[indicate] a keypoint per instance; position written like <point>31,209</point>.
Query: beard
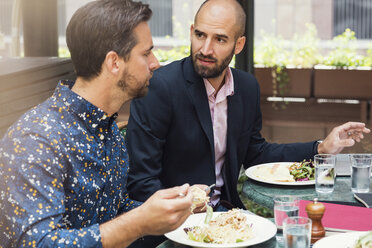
<point>211,72</point>
<point>127,82</point>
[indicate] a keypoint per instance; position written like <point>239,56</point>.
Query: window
<point>353,14</point>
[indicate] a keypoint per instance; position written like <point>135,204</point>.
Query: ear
<point>113,63</point>
<point>239,44</point>
<point>191,30</point>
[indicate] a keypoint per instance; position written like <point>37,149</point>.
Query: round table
<point>263,193</point>
<point>268,244</point>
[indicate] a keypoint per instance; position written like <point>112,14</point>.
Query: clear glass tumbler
<point>297,232</point>
<point>324,172</point>
<point>360,172</point>
<point>284,206</point>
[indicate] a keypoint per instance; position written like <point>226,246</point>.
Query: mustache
<point>209,58</point>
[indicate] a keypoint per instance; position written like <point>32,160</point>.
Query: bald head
<point>232,7</point>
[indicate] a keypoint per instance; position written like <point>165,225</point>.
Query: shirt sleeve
<point>128,204</point>
<point>32,196</point>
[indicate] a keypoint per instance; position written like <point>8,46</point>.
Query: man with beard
<point>201,119</point>
<point>63,164</point>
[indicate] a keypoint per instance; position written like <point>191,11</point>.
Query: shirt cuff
<point>315,146</point>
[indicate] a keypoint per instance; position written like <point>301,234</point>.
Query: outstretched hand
<point>342,136</point>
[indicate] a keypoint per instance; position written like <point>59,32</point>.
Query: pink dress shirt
<point>218,108</point>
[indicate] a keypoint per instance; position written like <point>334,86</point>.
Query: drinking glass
<point>360,172</point>
<point>297,232</point>
<point>284,206</point>
<point>324,173</point>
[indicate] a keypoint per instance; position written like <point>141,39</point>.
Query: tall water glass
<point>324,172</point>
<point>361,172</point>
<point>297,232</point>
<point>284,206</point>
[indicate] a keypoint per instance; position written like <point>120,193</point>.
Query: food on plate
<point>303,171</point>
<point>364,241</point>
<point>227,228</point>
<point>278,172</point>
<point>286,172</point>
<point>200,197</point>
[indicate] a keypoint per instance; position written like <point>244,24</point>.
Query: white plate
<point>342,240</point>
<point>263,229</point>
<point>250,174</point>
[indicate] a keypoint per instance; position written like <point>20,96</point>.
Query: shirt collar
<point>226,90</point>
<point>94,117</point>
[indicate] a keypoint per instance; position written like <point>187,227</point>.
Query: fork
<point>209,187</point>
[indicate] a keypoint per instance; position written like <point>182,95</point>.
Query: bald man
<point>201,120</point>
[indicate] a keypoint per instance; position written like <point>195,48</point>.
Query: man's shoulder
<point>242,75</point>
<point>170,76</point>
<point>36,121</point>
<point>172,69</point>
<point>244,79</point>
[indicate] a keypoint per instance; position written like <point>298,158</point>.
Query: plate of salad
<point>346,240</point>
<point>231,229</point>
<point>284,173</point>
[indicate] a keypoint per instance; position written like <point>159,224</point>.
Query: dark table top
<point>263,193</point>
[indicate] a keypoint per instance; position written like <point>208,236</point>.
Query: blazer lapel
<point>198,95</point>
<point>234,118</point>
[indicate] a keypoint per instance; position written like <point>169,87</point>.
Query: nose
<point>154,63</point>
<point>207,48</point>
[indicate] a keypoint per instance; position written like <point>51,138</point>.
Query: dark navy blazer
<point>170,134</point>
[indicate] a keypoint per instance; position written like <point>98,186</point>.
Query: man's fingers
<point>178,191</point>
<point>355,127</point>
<point>181,217</point>
<point>346,142</point>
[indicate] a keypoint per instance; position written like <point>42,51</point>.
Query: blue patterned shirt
<point>63,171</point>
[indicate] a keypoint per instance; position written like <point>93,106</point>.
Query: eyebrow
<point>222,36</point>
<point>148,50</point>
<point>196,31</point>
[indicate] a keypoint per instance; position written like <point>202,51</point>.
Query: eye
<point>199,34</point>
<point>221,40</point>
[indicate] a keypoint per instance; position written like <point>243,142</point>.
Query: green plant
<point>176,53</point>
<point>368,60</point>
<point>273,51</point>
<point>63,52</point>
<point>345,52</point>
<point>270,52</point>
<point>305,48</point>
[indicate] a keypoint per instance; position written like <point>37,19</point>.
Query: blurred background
<point>312,58</point>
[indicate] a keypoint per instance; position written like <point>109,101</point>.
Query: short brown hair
<point>102,26</point>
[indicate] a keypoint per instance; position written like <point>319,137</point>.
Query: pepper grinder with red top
<point>315,211</point>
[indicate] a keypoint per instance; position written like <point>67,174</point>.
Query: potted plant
<point>344,74</point>
<point>283,72</point>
